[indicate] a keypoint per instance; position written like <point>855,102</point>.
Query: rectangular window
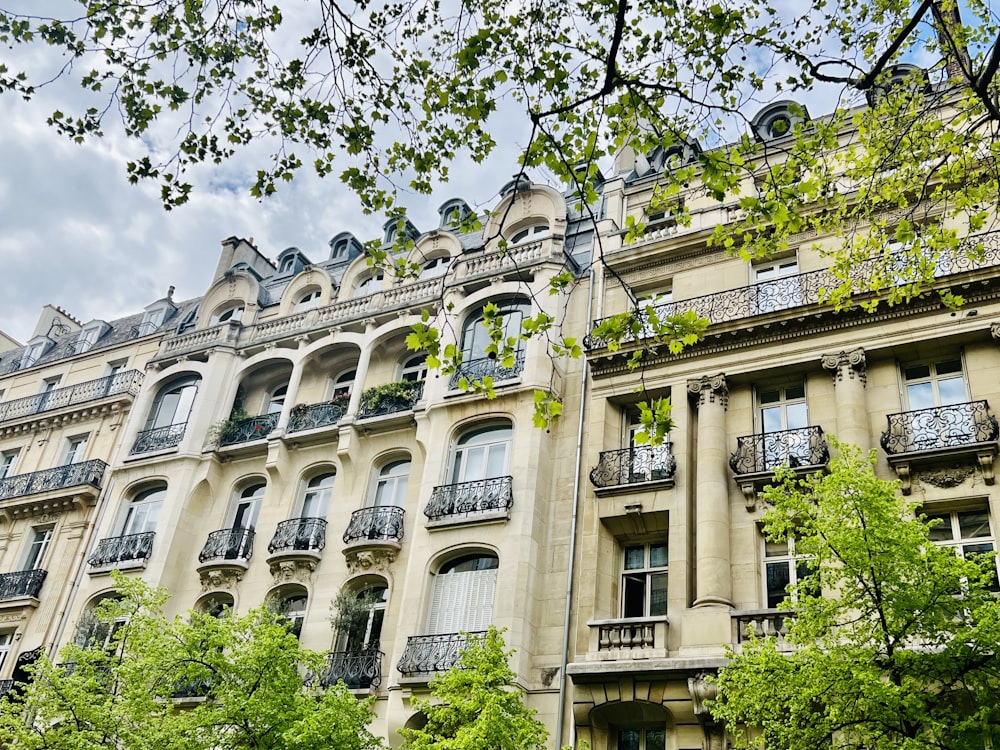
<point>8,462</point>
<point>658,304</point>
<point>777,285</point>
<point>642,739</point>
<point>48,386</point>
<point>783,418</point>
<point>968,532</point>
<point>75,449</point>
<point>6,643</point>
<point>644,580</point>
<point>647,463</point>
<point>41,537</point>
<point>934,384</point>
<point>782,568</point>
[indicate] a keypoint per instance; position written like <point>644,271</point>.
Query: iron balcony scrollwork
<point>315,415</point>
<point>158,438</point>
<point>359,670</point>
<point>299,534</point>
<point>21,583</point>
<point>642,463</point>
<point>60,477</point>
<point>5,687</point>
<point>482,367</point>
<point>120,383</point>
<point>940,427</point>
<point>470,498</point>
<point>253,428</point>
<point>227,544</point>
<point>118,549</point>
<point>765,452</point>
<point>380,404</point>
<point>379,522</point>
<point>427,654</point>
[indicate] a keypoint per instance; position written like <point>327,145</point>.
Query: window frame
<point>186,387</point>
<point>796,565</point>
<point>383,476</point>
<point>463,600</point>
<point>148,503</point>
<point>644,576</point>
<point>321,494</point>
<point>466,442</point>
<point>8,461</point>
<point>33,554</point>
<point>951,516</point>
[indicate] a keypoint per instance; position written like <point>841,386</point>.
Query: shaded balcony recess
<point>427,654</point>
<point>121,383</point>
<point>800,290</point>
<point>375,523</point>
<point>374,404</point>
<point>22,583</point>
<point>252,428</point>
<point>158,438</point>
<point>311,416</point>
<point>133,549</point>
<point>467,500</point>
<point>482,367</point>
<point>359,670</point>
<point>299,535</point>
<point>227,544</point>
<point>636,465</point>
<point>88,473</point>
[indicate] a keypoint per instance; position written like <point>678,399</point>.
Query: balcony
<point>297,544</point>
<point>628,638</point>
<point>120,384</point>
<point>359,670</point>
<point>121,552</point>
<point>22,584</point>
<point>380,523</point>
<point>158,439</point>
<point>483,499</point>
<point>427,654</point>
<point>620,470</point>
<point>5,687</point>
<point>247,430</point>
<point>46,489</point>
<point>757,457</point>
<point>313,416</point>
<point>487,367</point>
<point>391,398</point>
<point>228,546</point>
<point>762,623</point>
<point>967,432</point>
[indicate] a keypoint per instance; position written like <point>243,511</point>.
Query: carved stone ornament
<point>293,571</point>
<point>847,365</point>
<point>13,616</point>
<point>368,561</point>
<point>995,331</point>
<point>946,476</point>
<point>702,690</point>
<point>709,389</point>
<point>214,580</point>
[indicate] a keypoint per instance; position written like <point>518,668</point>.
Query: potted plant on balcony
<point>229,425</point>
<point>389,397</point>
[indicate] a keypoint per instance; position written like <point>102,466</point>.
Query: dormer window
<point>778,120</point>
<point>287,265</point>
<point>34,351</point>
<point>394,227</point>
<point>453,213</point>
<point>155,316</point>
<point>527,233</point>
<point>307,301</point>
<point>519,184</point>
<point>292,261</point>
<point>369,286</point>
<point>344,246</point>
<point>233,313</point>
<point>90,335</point>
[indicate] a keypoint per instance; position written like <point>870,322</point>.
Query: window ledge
<point>123,565</point>
<point>19,602</point>
<point>470,519</point>
<point>631,487</point>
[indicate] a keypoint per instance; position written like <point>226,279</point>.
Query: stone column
<point>713,582</point>
<point>292,392</point>
<point>849,378</point>
<point>360,374</point>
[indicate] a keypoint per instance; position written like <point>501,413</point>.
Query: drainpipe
<point>561,710</point>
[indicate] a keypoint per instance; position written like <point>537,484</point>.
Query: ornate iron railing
<point>477,369</point>
<point>252,428</point>
<point>299,534</point>
<point>227,544</point>
<point>768,623</point>
<point>642,463</point>
<point>802,289</point>
<point>940,427</point>
<point>805,446</point>
<point>427,654</point>
<point>315,415</point>
<point>5,687</point>
<point>127,382</point>
<point>469,498</point>
<point>158,438</point>
<point>21,583</point>
<point>359,670</point>
<point>377,522</point>
<point>375,404</point>
<point>71,475</point>
<point>122,549</point>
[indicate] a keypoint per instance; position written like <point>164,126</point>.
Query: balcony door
<point>646,462</point>
<point>481,454</point>
<point>143,513</point>
<point>462,595</point>
<point>40,540</point>
<point>783,410</point>
<point>247,507</point>
<point>930,390</point>
<point>777,285</point>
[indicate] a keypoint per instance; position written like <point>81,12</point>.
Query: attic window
<point>307,301</point>
<point>777,121</point>
<point>89,336</point>
<point>233,313</point>
<point>528,232</point>
<point>287,265</point>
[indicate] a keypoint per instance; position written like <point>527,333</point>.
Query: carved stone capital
<point>709,389</point>
<point>370,561</point>
<point>846,365</point>
<point>220,579</point>
<point>293,571</point>
<point>701,691</point>
<point>995,331</point>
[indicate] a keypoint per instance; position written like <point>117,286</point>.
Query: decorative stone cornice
<point>709,389</point>
<point>846,365</point>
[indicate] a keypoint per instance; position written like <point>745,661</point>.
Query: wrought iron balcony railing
<point>427,654</point>
<point>941,427</point>
<point>71,475</point>
<point>158,438</point>
<point>5,687</point>
<point>315,415</point>
<point>359,670</point>
<point>120,383</point>
<point>252,428</point>
<point>641,463</point>
<point>119,549</point>
<point>299,534</point>
<point>21,583</point>
<point>227,544</point>
<point>379,522</point>
<point>477,369</point>
<point>805,446</point>
<point>375,403</point>
<point>470,498</point>
<point>801,289</point>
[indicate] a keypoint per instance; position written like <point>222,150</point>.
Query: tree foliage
<point>894,638</point>
<point>192,682</point>
<point>476,705</point>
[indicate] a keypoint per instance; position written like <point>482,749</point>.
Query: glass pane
<point>628,739</point>
<point>657,594</point>
<point>974,524</point>
<point>775,549</point>
<point>777,581</point>
<point>634,595</point>
<point>949,367</point>
<point>797,417</point>
<point>919,396</point>
<point>656,739</point>
<point>917,372</point>
<point>941,531</point>
<point>474,460</point>
<point>794,392</point>
<point>770,397</point>
<point>771,419</point>
<point>635,558</point>
<point>496,463</point>
<point>657,555</point>
<point>951,391</point>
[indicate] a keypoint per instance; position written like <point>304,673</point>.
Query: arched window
<point>216,604</point>
<point>482,453</point>
<point>173,403</point>
<point>390,484</point>
<point>233,313</point>
<point>462,594</point>
<point>435,267</point>
<point>528,233</point>
<point>246,507</point>
<point>359,618</point>
<point>291,606</point>
<point>307,301</point>
<point>476,339</point>
<point>276,400</point>
<point>142,512</point>
<point>343,384</point>
<point>99,623</point>
<point>316,497</point>
<point>368,286</point>
<point>415,368</point>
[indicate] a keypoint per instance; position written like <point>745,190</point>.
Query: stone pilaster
<point>849,378</point>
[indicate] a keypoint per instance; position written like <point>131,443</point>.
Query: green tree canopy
<point>192,682</point>
<point>894,638</point>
